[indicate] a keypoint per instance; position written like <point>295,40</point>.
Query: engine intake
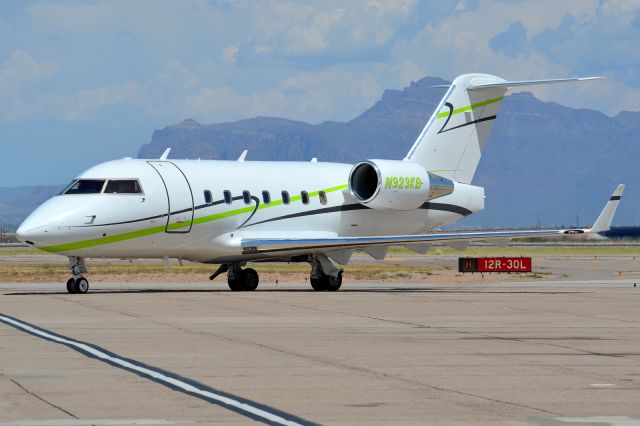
<point>395,185</point>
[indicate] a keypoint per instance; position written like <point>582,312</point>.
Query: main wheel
<point>333,283</point>
<point>71,286</point>
<point>250,279</point>
<point>319,283</point>
<point>81,285</point>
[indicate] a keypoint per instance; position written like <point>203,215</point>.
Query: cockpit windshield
<point>85,186</point>
<point>96,186</point>
<point>123,186</point>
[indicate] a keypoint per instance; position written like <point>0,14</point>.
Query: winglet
<point>243,155</point>
<point>604,220</point>
<point>165,154</point>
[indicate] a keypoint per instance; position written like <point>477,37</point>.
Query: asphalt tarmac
<point>561,352</point>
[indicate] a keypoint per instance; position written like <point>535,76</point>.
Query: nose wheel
<point>77,284</point>
<point>242,279</point>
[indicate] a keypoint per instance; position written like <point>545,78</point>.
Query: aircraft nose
<point>29,232</point>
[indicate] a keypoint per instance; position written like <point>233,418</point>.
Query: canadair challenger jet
<point>233,212</point>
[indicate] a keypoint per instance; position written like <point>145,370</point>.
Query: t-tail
<point>451,143</point>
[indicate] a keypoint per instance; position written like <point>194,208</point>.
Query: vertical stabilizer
<point>451,143</point>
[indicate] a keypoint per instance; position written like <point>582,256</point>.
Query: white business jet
<point>233,212</point>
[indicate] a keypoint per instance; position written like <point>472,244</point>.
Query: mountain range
<point>545,164</point>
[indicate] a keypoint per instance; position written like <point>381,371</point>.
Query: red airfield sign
<point>494,264</point>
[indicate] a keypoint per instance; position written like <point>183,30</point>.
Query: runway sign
<point>494,264</point>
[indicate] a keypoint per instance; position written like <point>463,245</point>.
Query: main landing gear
<point>238,279</point>
<point>77,283</point>
<point>324,276</point>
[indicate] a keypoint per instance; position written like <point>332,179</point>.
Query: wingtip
<point>603,223</point>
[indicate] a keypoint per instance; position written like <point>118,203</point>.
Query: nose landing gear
<point>77,283</point>
<point>238,279</point>
<point>242,279</point>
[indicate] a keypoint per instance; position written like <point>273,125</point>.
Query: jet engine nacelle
<point>395,185</point>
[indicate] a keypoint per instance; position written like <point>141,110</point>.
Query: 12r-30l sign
<point>494,264</point>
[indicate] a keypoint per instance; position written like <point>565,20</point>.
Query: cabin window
<point>123,186</point>
<point>305,197</point>
<point>323,197</point>
<point>208,198</point>
<point>227,197</point>
<point>266,197</point>
<point>285,197</point>
<point>85,186</point>
<point>246,196</point>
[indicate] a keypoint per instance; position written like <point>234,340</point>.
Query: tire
<point>250,279</point>
<point>333,283</point>
<point>235,284</point>
<point>71,288</point>
<point>81,285</point>
<point>319,283</point>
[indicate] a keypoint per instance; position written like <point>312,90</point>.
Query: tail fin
<point>451,143</point>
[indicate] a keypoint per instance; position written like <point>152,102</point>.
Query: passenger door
<point>179,197</point>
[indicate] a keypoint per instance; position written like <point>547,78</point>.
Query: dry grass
<point>197,272</point>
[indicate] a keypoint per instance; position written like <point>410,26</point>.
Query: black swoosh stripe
<point>480,120</point>
<point>450,106</point>
<point>614,198</point>
<point>257,200</point>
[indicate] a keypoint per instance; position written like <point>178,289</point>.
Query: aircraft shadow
<point>301,290</point>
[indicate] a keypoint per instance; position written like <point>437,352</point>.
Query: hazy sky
<point>84,82</point>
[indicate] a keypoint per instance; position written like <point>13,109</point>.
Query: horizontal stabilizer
<point>509,84</point>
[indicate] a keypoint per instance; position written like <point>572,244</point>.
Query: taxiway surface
<point>516,353</point>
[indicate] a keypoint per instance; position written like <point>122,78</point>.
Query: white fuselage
<point>172,217</point>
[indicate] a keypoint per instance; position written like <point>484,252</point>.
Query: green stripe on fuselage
<point>469,107</point>
<point>174,226</point>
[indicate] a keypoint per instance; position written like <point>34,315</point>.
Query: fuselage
<point>200,209</point>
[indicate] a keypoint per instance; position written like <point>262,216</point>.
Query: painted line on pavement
<point>245,407</point>
<point>91,422</point>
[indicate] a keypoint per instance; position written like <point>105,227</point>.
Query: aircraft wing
<point>276,245</point>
